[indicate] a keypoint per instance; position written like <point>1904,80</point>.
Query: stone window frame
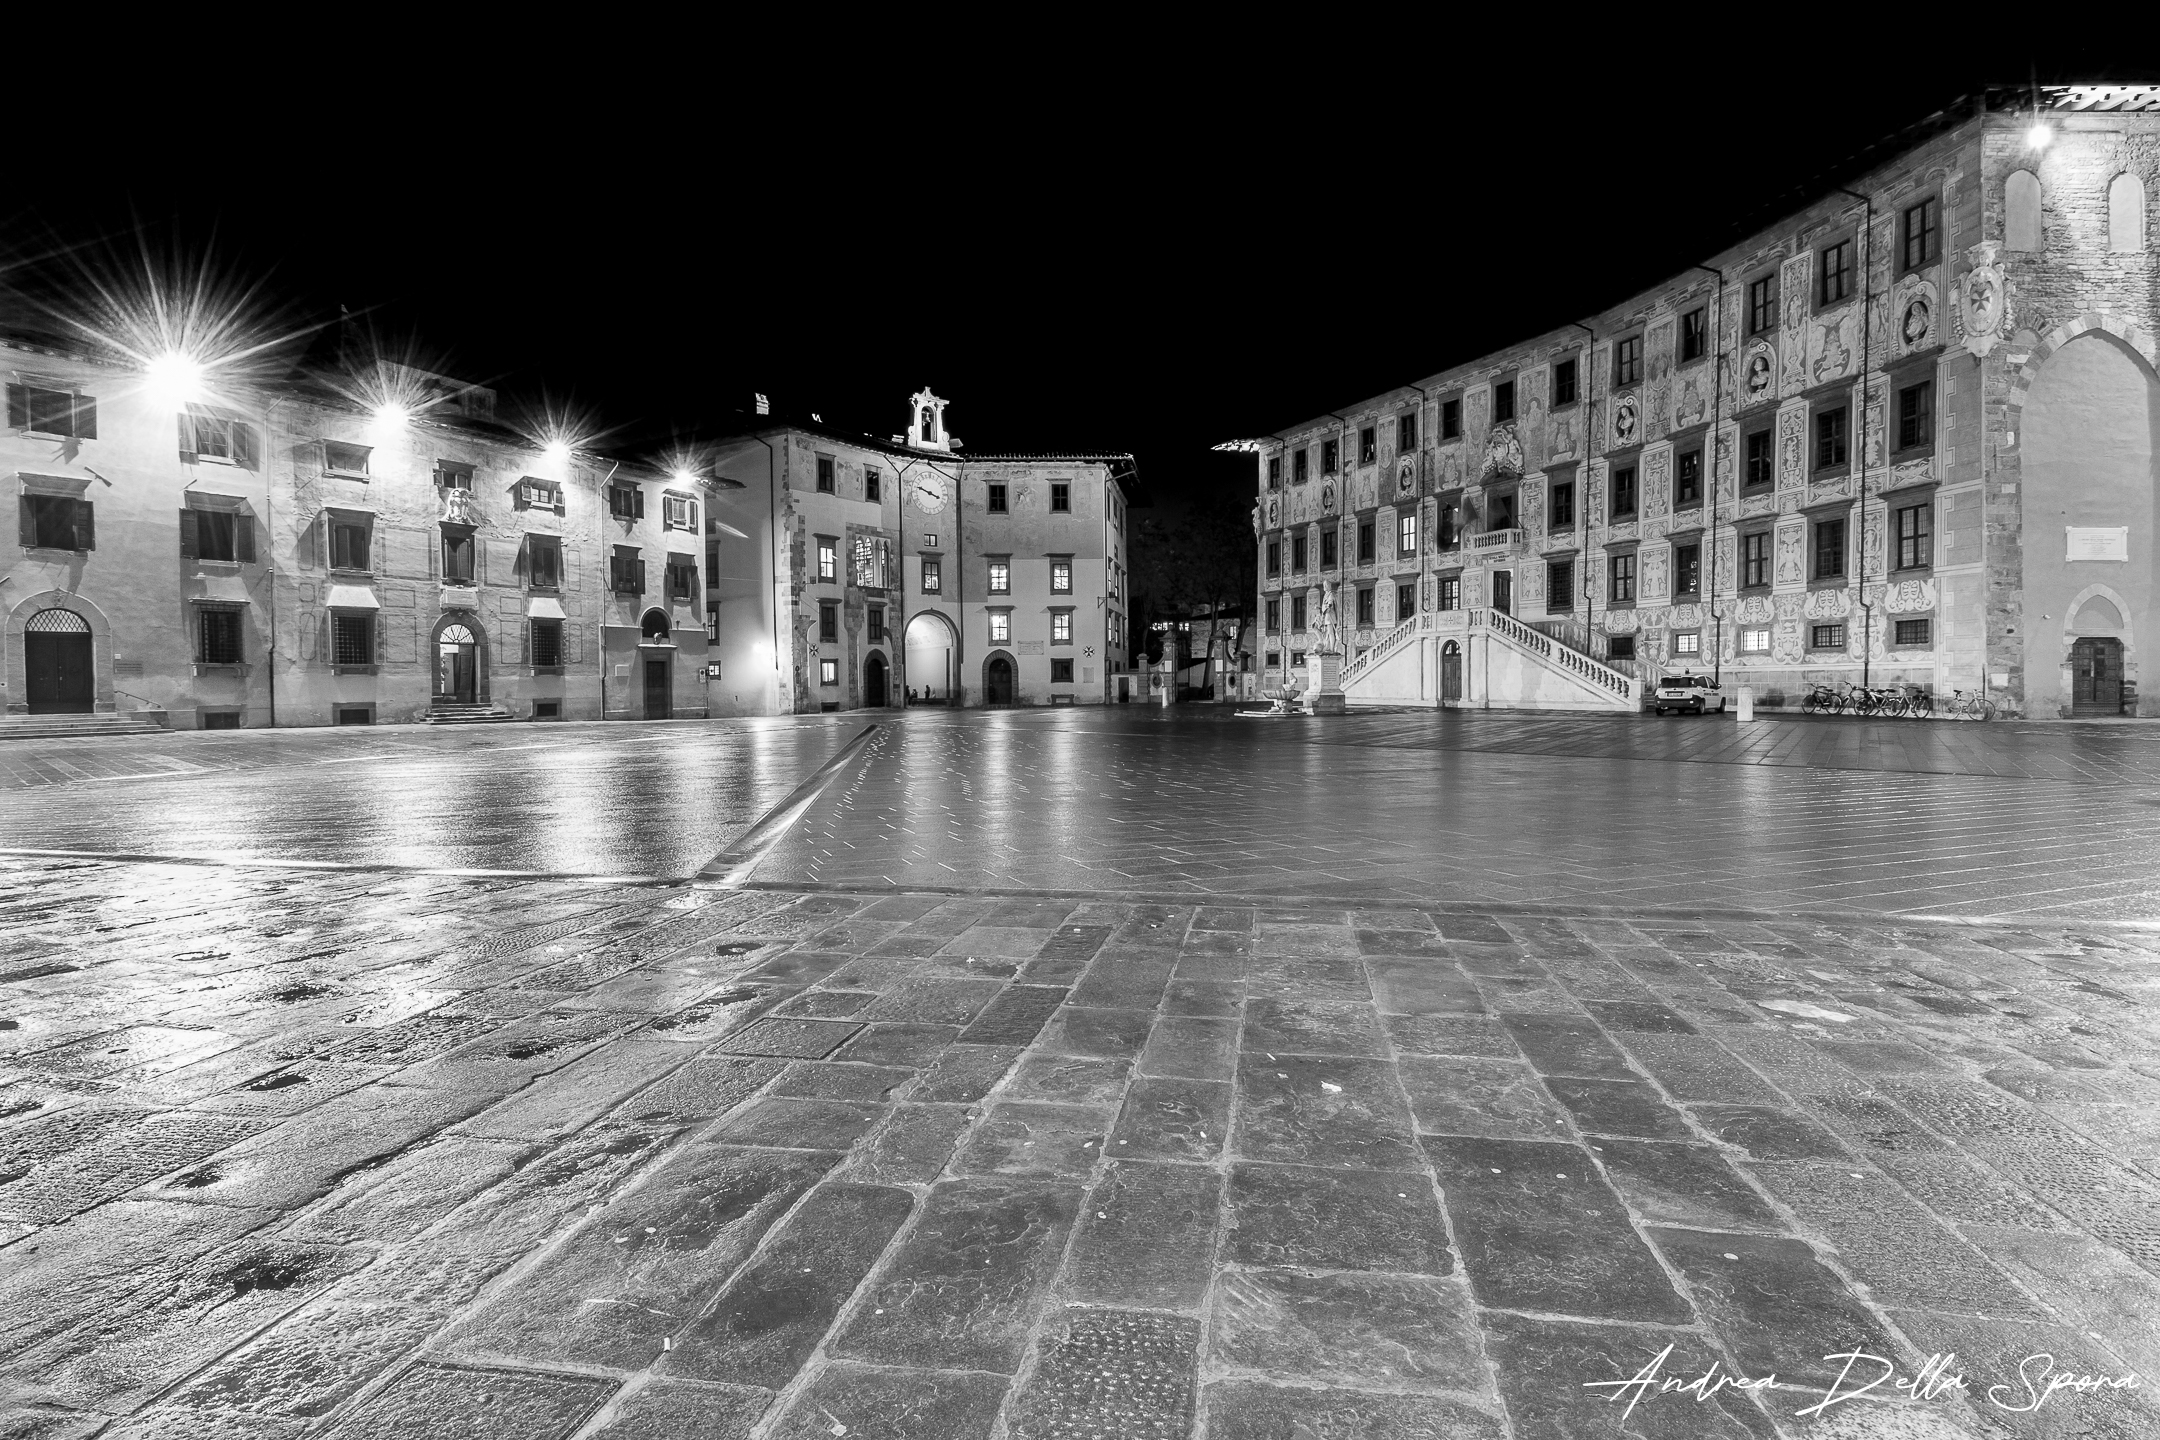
<point>1404,586</point>
<point>1766,528</point>
<point>1330,455</point>
<point>1616,552</point>
<point>828,672</point>
<point>1771,274</point>
<point>1828,401</point>
<point>1932,195</point>
<point>1634,376</point>
<point>1569,599</point>
<point>1300,552</point>
<point>1681,359</point>
<point>1054,562</point>
<point>1677,541</point>
<point>1630,461</point>
<point>1744,629</point>
<point>1514,406</point>
<point>1368,540</point>
<point>1679,651</point>
<point>827,548</point>
<point>1837,647</point>
<point>1064,612</point>
<point>1847,234</point>
<point>1368,441</point>
<point>1837,512</point>
<point>1367,606</point>
<point>827,477</point>
<point>1331,547</point>
<point>1890,636</point>
<point>995,568</point>
<point>997,622</point>
<point>1895,503</point>
<point>1696,443</point>
<point>1559,479</point>
<point>1406,431</point>
<point>1451,416</point>
<point>1447,590</point>
<point>930,569</point>
<point>1764,423</point>
<point>1406,533</point>
<point>1572,361</point>
<point>1301,465</point>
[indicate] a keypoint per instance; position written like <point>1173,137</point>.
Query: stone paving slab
<point>1231,1170</point>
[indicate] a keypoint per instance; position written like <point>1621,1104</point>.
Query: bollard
<point>1747,704</point>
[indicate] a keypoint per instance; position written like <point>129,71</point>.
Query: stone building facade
<point>908,573</point>
<point>1902,437</point>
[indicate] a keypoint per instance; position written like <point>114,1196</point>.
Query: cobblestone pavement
<point>362,1153</point>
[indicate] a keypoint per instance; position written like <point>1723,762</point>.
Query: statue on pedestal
<point>1329,635</point>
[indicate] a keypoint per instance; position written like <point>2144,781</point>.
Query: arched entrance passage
<point>876,691</point>
<point>933,653</point>
<point>60,663</point>
<point>998,679</point>
<point>657,656</point>
<point>1450,673</point>
<point>457,661</point>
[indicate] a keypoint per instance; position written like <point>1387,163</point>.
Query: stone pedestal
<point>1323,686</point>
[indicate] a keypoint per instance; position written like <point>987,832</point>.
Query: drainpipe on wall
<point>1424,552</point>
<point>1717,419</point>
<point>270,550</point>
<point>1867,283</point>
<point>1582,470</point>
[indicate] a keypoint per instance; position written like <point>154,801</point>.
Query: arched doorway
<point>873,681</point>
<point>2096,677</point>
<point>60,663</point>
<point>933,655</point>
<point>658,667</point>
<point>998,679</point>
<point>457,663</point>
<point>1450,673</point>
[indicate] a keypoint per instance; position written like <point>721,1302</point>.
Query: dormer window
<point>532,494</point>
<point>339,458</point>
<point>451,475</point>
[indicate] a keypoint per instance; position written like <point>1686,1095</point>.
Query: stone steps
<point>468,715</point>
<point>74,727</point>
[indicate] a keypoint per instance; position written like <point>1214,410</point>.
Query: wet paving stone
<point>1767,1134</point>
<point>818,1080</point>
<point>963,1074</point>
<point>1619,1107</point>
<point>1683,1184</point>
<point>798,1039</point>
<point>1775,1306</point>
<point>1015,1017</point>
<point>1034,1139</point>
<point>1108,1372</point>
<point>1958,1190</point>
<point>1336,1219</point>
<point>1547,1370</point>
<point>1695,1068</point>
<point>1069,1080</point>
<point>1540,1230</point>
<point>118,1162</point>
<point>1184,1120</point>
<point>826,1005</point>
<point>969,1281</point>
<point>684,1410</point>
<point>830,1125</point>
<point>1312,1028</point>
<point>924,1001</point>
<point>911,1147</point>
<point>1638,1018</point>
<point>1322,1110</point>
<point>403,1197</point>
<point>1102,1032</point>
<point>1567,1045</point>
<point>910,1045</point>
<point>307,1364</point>
<point>580,1092</point>
<point>1191,1048</point>
<point>1466,1035</point>
<point>1500,1099</point>
<point>1216,999</point>
<point>865,1403</point>
<point>1377,1332</point>
<point>1146,1238</point>
<point>437,1399</point>
<point>701,1090</point>
<point>774,1313</point>
<point>1254,1410</point>
<point>2005,1380</point>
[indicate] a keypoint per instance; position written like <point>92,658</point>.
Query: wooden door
<point>998,681</point>
<point>2096,677</point>
<point>1503,591</point>
<point>659,695</point>
<point>62,673</point>
<point>1451,672</point>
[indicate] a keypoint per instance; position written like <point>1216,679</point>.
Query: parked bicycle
<point>1962,706</point>
<point>1822,700</point>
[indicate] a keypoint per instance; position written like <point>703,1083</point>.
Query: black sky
<point>1124,251</point>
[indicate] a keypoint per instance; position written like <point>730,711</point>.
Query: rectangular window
<point>216,437</point>
<point>546,641</point>
<point>1406,434</point>
<point>1274,557</point>
<point>350,545</point>
<point>1826,637</point>
<point>1911,632</point>
<point>626,571</point>
<point>51,412</point>
<point>1061,577</point>
<point>1365,605</point>
<point>543,562</point>
<point>1327,549</point>
<point>1061,627</point>
<point>1916,415</point>
<point>825,475</point>
<point>1761,469</point>
<point>828,672</point>
<point>1365,542</point>
<point>1503,401</point>
<point>873,485</point>
<point>678,512</point>
<point>1627,361</point>
<point>453,475</point>
<point>1563,505</point>
<point>1297,658</point>
<point>1694,334</point>
<point>1755,560</point>
<point>1297,612</point>
<point>1451,592</point>
<point>352,639</point>
<point>1830,438</point>
<point>1622,590</point>
<point>828,559</point>
<point>1446,533</point>
<point>1687,570</point>
<point>1406,534</point>
<point>339,458</point>
<point>1922,241</point>
<point>1000,627</point>
<point>1834,272</point>
<point>1061,497</point>
<point>1297,554</point>
<point>1300,462</point>
<point>531,494</point>
<point>1001,577</point>
<point>1623,492</point>
<point>1405,601</point>
<point>1687,478</point>
<point>1502,514</point>
<point>1762,307</point>
<point>58,522</point>
<point>457,555</point>
<point>1274,472</point>
<point>1274,658</point>
<point>1687,642</point>
<point>933,575</point>
<point>1755,641</point>
<point>1560,585</point>
<point>1563,382</point>
<point>626,502</point>
<point>1274,616</point>
<point>828,621</point>
<point>1829,549</point>
<point>1913,552</point>
<point>1450,419</point>
<point>682,578</point>
<point>1368,445</point>
<point>1061,670</point>
<point>1329,461</point>
<point>996,502</point>
<point>218,635</point>
<point>1621,647</point>
<point>217,535</point>
<point>875,629</point>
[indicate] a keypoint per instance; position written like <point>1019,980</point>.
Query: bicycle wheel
<point>1812,703</point>
<point>1983,709</point>
<point>1919,706</point>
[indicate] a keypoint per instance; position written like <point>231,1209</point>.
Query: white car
<point>1698,693</point>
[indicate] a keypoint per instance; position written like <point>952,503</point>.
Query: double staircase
<point>1549,658</point>
<point>1489,660</point>
<point>451,712</point>
<point>77,726</point>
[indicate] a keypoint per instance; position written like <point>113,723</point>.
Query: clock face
<point>929,495</point>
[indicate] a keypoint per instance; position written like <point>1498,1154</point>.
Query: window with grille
<point>1623,492</point>
<point>1834,273</point>
<point>1826,637</point>
<point>546,640</point>
<point>1755,560</point>
<point>1560,585</point>
<point>1911,632</point>
<point>1622,589</point>
<point>352,639</point>
<point>1829,549</point>
<point>217,636</point>
<point>1912,537</point>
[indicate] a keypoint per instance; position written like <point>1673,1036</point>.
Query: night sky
<point>1109,252</point>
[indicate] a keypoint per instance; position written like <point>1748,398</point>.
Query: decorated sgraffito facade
<point>1904,437</point>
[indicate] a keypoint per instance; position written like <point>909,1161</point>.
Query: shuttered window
<point>58,522</point>
<point>51,412</point>
<point>217,535</point>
